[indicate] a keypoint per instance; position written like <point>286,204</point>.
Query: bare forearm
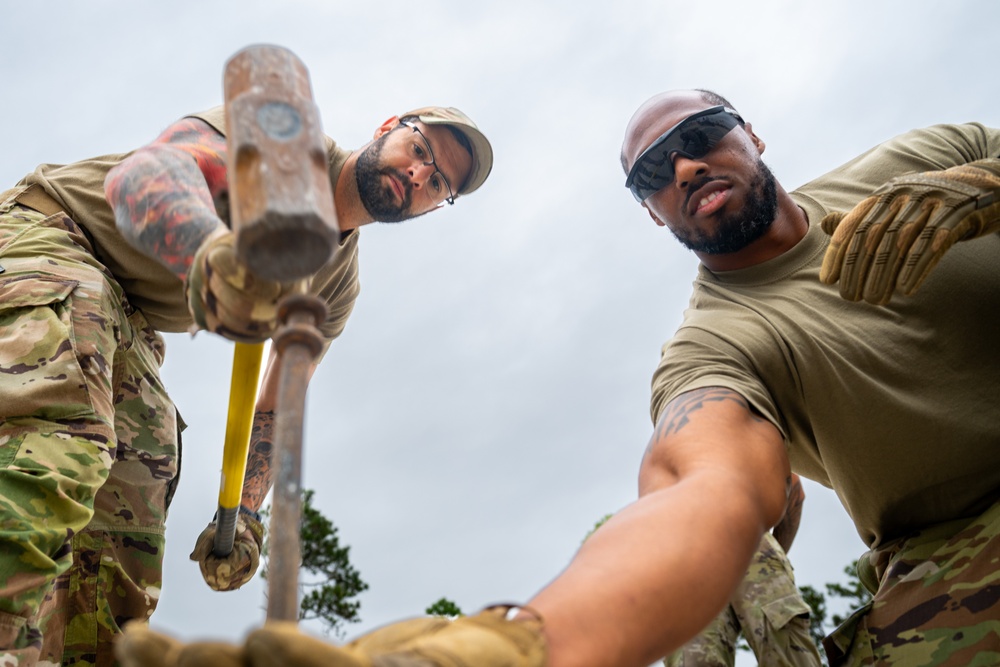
<point>649,579</point>
<point>258,478</point>
<point>713,479</point>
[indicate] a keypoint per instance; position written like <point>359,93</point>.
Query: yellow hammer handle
<point>242,399</point>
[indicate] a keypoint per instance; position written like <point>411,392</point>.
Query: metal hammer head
<point>281,199</point>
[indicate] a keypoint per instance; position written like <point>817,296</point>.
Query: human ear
<point>655,218</point>
<point>386,127</point>
<point>757,141</point>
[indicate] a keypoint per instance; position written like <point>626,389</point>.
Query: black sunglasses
<point>694,137</point>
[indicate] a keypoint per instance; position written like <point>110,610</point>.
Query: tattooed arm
<point>784,532</point>
<point>164,194</point>
<point>713,479</point>
<point>259,476</point>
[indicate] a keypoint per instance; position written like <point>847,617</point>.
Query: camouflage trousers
<point>769,610</point>
<point>936,600</point>
<point>89,448</point>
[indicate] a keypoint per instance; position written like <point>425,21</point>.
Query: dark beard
<point>379,200</point>
<point>738,230</point>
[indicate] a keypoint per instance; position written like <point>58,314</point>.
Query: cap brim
<point>482,152</point>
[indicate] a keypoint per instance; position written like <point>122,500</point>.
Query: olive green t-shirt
<point>897,407</point>
<point>150,287</point>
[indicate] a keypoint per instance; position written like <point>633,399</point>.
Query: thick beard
<point>379,200</point>
<point>738,230</point>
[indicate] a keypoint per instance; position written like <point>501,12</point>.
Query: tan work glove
<point>224,297</point>
<point>487,639</point>
<point>138,646</point>
<point>236,569</point>
<point>484,640</point>
<point>896,236</point>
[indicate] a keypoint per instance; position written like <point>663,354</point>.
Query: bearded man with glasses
<point>845,331</point>
<point>96,259</point>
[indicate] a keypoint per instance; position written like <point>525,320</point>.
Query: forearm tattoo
<point>166,195</point>
<point>786,529</point>
<point>258,478</point>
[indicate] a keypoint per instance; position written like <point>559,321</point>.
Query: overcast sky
<point>488,401</point>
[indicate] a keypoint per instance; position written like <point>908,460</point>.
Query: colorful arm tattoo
<point>258,478</point>
<point>166,195</point>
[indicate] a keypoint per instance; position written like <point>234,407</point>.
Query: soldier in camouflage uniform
<point>96,258</point>
<point>892,403</point>
<point>767,608</point>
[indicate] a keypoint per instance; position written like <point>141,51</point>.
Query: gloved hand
<point>236,569</point>
<point>896,236</point>
<point>224,297</point>
<point>484,640</point>
<point>138,646</point>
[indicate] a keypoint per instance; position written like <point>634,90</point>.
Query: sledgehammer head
<point>281,199</point>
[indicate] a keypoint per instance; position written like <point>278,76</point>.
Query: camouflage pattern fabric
<point>89,450</point>
<point>768,609</point>
<point>936,600</point>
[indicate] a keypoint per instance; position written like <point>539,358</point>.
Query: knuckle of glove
<point>224,297</point>
<point>234,570</point>
<point>486,639</point>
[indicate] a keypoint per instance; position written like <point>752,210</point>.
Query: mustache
<point>404,180</point>
<point>694,186</point>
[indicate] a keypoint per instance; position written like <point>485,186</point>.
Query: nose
<point>419,172</point>
<point>686,170</point>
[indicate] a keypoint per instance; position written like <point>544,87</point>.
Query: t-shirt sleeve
<point>696,358</point>
<point>338,285</point>
<point>929,149</point>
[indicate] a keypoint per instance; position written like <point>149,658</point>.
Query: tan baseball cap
<point>482,152</point>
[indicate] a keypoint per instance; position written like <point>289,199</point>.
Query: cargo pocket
<point>779,612</point>
<point>40,374</point>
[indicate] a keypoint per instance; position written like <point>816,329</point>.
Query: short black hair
<point>714,98</point>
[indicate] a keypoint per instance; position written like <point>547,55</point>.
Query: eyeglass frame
<point>450,199</point>
<point>660,140</point>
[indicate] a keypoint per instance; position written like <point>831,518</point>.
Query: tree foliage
<point>328,581</point>
<point>444,607</point>
<point>851,595</point>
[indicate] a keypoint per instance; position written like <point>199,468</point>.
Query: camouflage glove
<point>487,639</point>
<point>224,297</point>
<point>896,236</point>
<point>139,646</point>
<point>236,569</point>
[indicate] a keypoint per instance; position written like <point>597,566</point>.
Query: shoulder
<point>925,149</point>
<point>216,117</point>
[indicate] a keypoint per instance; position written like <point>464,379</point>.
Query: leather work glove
<point>896,236</point>
<point>484,640</point>
<point>236,569</point>
<point>224,297</point>
<point>138,646</point>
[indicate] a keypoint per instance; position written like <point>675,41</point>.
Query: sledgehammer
<point>282,212</point>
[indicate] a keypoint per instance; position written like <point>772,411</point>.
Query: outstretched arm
<point>714,478</point>
<point>164,195</point>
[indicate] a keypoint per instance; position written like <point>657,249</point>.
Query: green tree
<point>444,607</point>
<point>851,594</point>
<point>328,593</point>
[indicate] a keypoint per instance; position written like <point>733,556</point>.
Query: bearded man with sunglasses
<point>96,259</point>
<point>884,389</point>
